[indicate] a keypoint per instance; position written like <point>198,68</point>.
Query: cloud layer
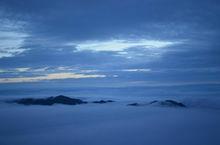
<point>151,41</point>
<point>12,37</point>
<point>121,45</point>
<point>53,76</point>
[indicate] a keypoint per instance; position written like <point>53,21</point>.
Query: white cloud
<point>52,76</point>
<point>89,70</point>
<point>22,69</point>
<point>120,45</point>
<point>65,68</point>
<point>42,69</point>
<point>137,70</point>
<point>15,70</point>
<point>3,70</point>
<point>12,38</point>
<point>48,69</point>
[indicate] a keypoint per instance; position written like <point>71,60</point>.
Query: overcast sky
<point>110,42</point>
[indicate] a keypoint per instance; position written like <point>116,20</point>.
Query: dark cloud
<point>83,19</point>
<point>53,23</point>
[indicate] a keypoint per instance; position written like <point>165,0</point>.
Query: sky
<point>110,43</point>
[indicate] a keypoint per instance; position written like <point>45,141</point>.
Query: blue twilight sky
<point>110,43</point>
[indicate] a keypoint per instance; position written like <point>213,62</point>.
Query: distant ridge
<point>48,101</point>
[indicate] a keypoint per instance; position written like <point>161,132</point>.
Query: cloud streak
<point>120,44</point>
<point>148,41</point>
<point>52,76</point>
<point>12,38</point>
<point>137,70</point>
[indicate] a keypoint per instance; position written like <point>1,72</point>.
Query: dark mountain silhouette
<point>49,101</point>
<point>166,103</point>
<point>103,101</point>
